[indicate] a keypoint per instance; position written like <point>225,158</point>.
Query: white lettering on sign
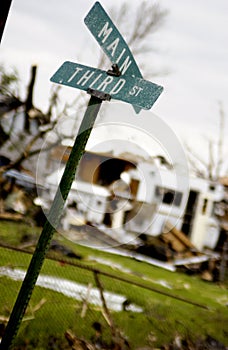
<point>89,78</point>
<point>105,31</point>
<point>104,83</point>
<point>78,69</point>
<point>125,65</point>
<point>118,86</point>
<point>135,90</point>
<point>95,80</point>
<point>118,59</point>
<point>86,76</point>
<point>113,46</point>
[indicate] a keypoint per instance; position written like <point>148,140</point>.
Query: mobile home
<point>131,195</point>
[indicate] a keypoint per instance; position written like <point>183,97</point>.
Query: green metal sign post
<point>51,223</point>
<point>101,85</point>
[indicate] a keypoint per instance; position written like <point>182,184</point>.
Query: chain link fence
<point>78,306</point>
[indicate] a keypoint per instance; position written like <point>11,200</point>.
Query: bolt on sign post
<point>123,82</point>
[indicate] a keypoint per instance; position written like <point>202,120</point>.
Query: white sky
<point>192,45</point>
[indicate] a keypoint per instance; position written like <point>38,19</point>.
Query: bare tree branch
<point>146,19</point>
<point>31,153</point>
<point>149,18</point>
<point>211,162</point>
<point>213,168</point>
<point>196,156</point>
<point>29,99</point>
<point>221,139</point>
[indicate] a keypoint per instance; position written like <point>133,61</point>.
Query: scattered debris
<point>141,257</point>
<point>173,248</point>
<point>170,245</point>
<point>11,216</point>
<point>60,248</point>
<point>30,315</point>
<point>78,343</point>
<point>86,301</point>
<point>177,240</point>
<point>180,343</point>
<point>118,340</point>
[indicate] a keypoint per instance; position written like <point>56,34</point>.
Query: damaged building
<point>135,196</point>
<point>108,191</point>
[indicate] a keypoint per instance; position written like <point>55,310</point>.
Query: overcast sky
<point>192,46</point>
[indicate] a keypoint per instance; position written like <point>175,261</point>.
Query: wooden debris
<point>86,301</point>
<point>4,319</point>
<point>177,239</point>
<point>11,216</point>
<point>39,305</point>
<point>170,245</point>
<point>78,343</point>
<point>118,339</point>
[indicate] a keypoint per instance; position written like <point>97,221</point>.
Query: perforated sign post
<point>124,82</point>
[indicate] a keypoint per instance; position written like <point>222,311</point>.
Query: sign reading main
<point>111,41</point>
<point>136,91</point>
<point>123,83</point>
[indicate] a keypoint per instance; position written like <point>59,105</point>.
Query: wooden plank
<point>179,235</point>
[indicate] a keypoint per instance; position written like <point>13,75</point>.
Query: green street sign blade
<point>111,41</point>
<point>133,90</point>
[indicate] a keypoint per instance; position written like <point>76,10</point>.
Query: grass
<point>162,319</point>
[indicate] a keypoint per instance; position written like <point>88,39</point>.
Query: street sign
<point>111,41</point>
<point>133,90</point>
<point>124,83</point>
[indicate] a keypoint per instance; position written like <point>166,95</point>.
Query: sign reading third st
<point>133,90</point>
